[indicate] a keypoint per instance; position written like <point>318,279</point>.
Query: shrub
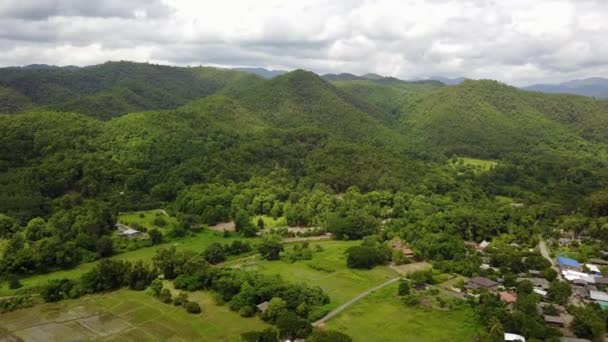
<point>165,296</point>
<point>193,307</point>
<point>246,311</point>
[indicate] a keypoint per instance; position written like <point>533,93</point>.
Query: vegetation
<point>372,161</point>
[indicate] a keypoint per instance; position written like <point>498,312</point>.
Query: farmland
<point>383,317</point>
<point>127,316</point>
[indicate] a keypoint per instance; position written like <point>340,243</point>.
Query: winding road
<point>343,307</point>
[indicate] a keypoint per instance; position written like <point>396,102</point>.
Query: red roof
<point>508,297</point>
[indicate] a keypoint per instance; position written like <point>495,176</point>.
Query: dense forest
<point>82,144</point>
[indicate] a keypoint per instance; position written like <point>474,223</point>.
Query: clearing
<point>382,316</point>
<point>327,269</point>
<point>147,218</point>
<point>482,164</point>
<point>127,316</point>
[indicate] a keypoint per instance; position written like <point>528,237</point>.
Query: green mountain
<point>116,88</point>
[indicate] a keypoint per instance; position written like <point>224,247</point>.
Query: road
<point>544,251</point>
<point>343,307</point>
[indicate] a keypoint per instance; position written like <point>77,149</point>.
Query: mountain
<point>342,77</point>
<point>115,88</point>
<point>595,87</point>
<point>262,72</point>
<point>372,76</point>
<point>448,81</point>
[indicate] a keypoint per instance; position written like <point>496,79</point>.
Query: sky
<point>519,42</point>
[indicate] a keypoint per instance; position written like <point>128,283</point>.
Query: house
<point>483,245</point>
<point>581,278</point>
<point>534,273</point>
<point>508,297</point>
<point>540,292</point>
<point>599,297</point>
<point>130,232</point>
<point>601,280</point>
<point>596,261</point>
<point>594,270</point>
<point>566,263</point>
<point>539,283</point>
<point>263,306</point>
<point>398,245</point>
<point>517,205</point>
<point>580,292</point>
<point>564,242</point>
<point>514,338</point>
<point>481,282</point>
<point>554,320</point>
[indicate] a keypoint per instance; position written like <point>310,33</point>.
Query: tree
<point>260,224</point>
<point>291,326</point>
<point>214,253</point>
<point>267,335</point>
<point>242,223</point>
<point>104,246</point>
<point>588,323</point>
<point>165,261</point>
<point>56,290</point>
<point>193,307</point>
<point>559,292</point>
<point>8,226</point>
<point>270,247</point>
<point>496,331</point>
<point>404,288</point>
<point>156,287</point>
<point>36,229</point>
<point>275,307</point>
<point>366,256</point>
<point>165,296</point>
<point>156,237</point>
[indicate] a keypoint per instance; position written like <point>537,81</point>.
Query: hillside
<point>116,88</point>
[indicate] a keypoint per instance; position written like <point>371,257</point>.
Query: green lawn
<point>383,317</point>
<point>341,284</point>
<point>127,316</point>
<point>196,243</point>
<point>146,219</point>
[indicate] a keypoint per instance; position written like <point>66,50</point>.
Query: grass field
<point>341,284</point>
<point>382,317</point>
<point>127,316</point>
<point>135,217</point>
<point>483,164</point>
<point>270,222</point>
<point>195,243</point>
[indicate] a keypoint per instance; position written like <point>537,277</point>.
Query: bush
<point>160,221</point>
<point>319,266</point>
<point>247,311</point>
<point>165,296</point>
<point>366,256</point>
<point>181,299</point>
<point>404,288</point>
<point>193,307</point>
<point>13,282</point>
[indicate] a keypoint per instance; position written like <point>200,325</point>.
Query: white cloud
<point>516,41</point>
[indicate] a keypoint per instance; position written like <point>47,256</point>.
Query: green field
<point>382,317</point>
<point>269,221</point>
<point>195,243</point>
<point>127,316</point>
<point>482,164</point>
<point>135,217</point>
<point>341,284</point>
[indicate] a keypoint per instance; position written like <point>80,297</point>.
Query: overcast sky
<point>515,41</point>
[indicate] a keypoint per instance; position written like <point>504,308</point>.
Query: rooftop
<point>565,261</point>
<point>598,295</point>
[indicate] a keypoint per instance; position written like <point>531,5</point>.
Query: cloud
<point>44,9</point>
<point>516,41</point>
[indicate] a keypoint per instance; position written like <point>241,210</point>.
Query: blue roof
<point>565,261</point>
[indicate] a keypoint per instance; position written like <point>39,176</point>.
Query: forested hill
<point>113,88</point>
<point>82,144</point>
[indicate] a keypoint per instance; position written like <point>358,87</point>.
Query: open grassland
<point>482,164</point>
<point>127,316</point>
<point>269,221</point>
<point>330,272</point>
<point>195,243</point>
<point>147,218</point>
<point>383,317</point>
